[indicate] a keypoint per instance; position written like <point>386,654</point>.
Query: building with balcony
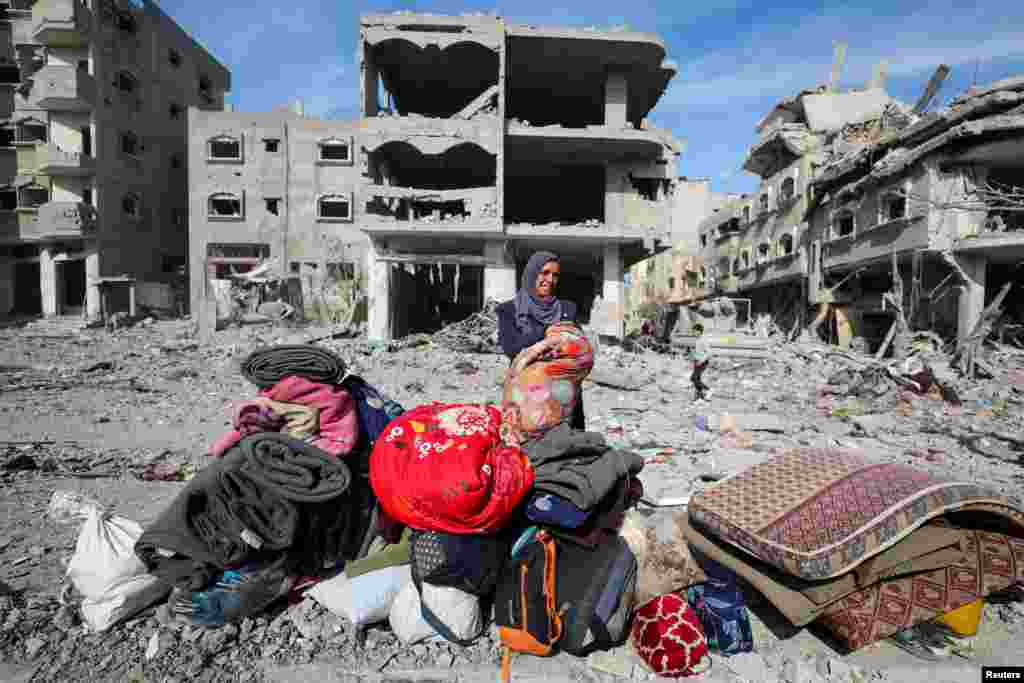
<point>479,142</point>
<point>93,184</point>
<point>857,187</point>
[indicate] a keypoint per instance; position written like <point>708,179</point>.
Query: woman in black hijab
<point>523,320</point>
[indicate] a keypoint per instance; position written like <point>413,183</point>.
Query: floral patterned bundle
<point>542,386</point>
<point>443,467</point>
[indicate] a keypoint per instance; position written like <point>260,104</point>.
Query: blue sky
<point>736,57</point>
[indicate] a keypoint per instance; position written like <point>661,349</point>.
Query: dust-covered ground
<point>87,411</point>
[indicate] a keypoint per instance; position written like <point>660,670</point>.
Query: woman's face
<point>547,279</point>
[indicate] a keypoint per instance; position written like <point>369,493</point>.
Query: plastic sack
<point>453,613</point>
<point>406,618</point>
<point>367,598</point>
<point>105,570</point>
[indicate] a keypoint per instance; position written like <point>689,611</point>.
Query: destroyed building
<point>675,276</point>
<point>93,194</point>
<point>855,182</point>
<point>479,142</point>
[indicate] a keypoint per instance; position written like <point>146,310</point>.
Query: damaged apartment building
<point>479,142</point>
<point>864,198</point>
<point>93,191</point>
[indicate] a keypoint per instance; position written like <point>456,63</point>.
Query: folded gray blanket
<point>267,366</point>
<point>293,469</point>
<point>578,466</point>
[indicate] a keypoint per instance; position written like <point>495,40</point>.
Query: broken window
<point>173,57</point>
<point>786,245</point>
<point>646,187</point>
<point>8,200</point>
<point>842,224</point>
<point>206,89</point>
<point>87,195</point>
<point>763,252</point>
<point>30,130</point>
<point>237,251</point>
<point>335,150</point>
<point>762,202</point>
<point>130,205</point>
<point>126,82</point>
<point>270,144</point>
<point>174,111</point>
<point>272,205</point>
<point>33,196</point>
<point>894,207</point>
<point>10,74</point>
<point>224,205</point>
<point>130,144</point>
<point>745,259</point>
<point>334,206</point>
<point>83,65</point>
<point>788,189</point>
<point>224,147</point>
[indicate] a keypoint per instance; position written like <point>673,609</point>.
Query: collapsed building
<point>870,210</point>
<point>479,142</point>
<point>93,192</point>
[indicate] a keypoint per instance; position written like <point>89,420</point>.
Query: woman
<point>522,321</point>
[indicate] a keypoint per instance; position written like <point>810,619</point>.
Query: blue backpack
<point>373,409</point>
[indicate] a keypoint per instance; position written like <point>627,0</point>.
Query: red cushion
<point>443,467</point>
<point>669,638</point>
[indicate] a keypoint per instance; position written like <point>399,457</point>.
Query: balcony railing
<point>52,160</point>
<point>61,87</point>
<point>63,219</point>
<point>61,23</point>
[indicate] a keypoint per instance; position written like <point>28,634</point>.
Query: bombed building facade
<point>869,209</point>
<point>479,142</point>
<point>93,191</point>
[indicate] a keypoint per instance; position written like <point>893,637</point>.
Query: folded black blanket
<point>579,466</point>
<point>272,519</point>
<point>293,469</point>
<point>267,366</point>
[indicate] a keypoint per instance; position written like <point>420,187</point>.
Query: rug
<point>994,561</point>
<point>816,513</point>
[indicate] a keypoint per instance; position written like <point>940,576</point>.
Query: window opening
<point>335,150</point>
<point>225,148</point>
<point>225,205</point>
<point>272,205</point>
<point>788,190</point>
<point>844,224</point>
<point>271,144</point>
<point>334,206</point>
<point>130,205</point>
<point>130,144</point>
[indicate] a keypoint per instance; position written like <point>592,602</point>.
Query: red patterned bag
<point>669,638</point>
<point>443,467</point>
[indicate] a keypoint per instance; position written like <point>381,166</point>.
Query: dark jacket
<point>513,340</point>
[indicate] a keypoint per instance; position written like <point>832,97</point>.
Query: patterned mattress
<point>816,513</point>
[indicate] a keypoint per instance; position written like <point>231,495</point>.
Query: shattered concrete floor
<point>86,411</point>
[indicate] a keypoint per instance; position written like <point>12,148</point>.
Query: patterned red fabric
<point>668,637</point>
<point>443,467</point>
<point>993,562</point>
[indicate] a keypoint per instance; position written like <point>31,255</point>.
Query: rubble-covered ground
<point>87,411</point>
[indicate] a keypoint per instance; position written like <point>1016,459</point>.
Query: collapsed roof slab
<point>829,112</point>
<point>594,144</point>
<point>568,59</point>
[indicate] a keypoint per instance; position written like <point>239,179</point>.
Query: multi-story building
<point>855,182</point>
<point>479,142</point>
<point>93,163</point>
<point>676,276</point>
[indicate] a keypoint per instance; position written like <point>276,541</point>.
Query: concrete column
<point>48,281</point>
<point>379,301</point>
<point>92,290</point>
<point>500,273</point>
<point>616,95</point>
<point>971,302</point>
<point>613,291</point>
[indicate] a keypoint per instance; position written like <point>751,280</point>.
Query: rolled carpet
<point>267,366</point>
<point>292,469</point>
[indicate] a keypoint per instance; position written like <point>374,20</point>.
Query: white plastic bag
<point>367,598</point>
<point>406,618</point>
<point>105,570</point>
<point>454,608</point>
